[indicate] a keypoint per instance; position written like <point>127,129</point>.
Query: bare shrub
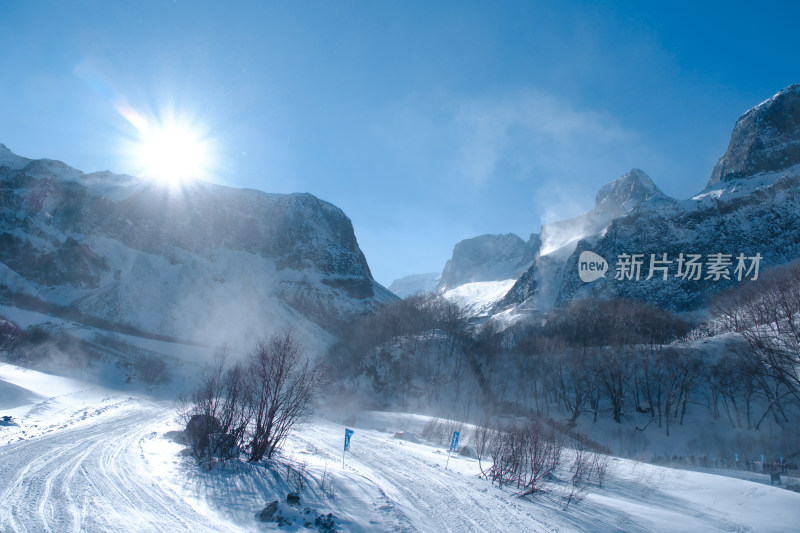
<point>525,456</point>
<point>588,469</point>
<point>576,490</point>
<point>482,438</point>
<point>296,474</point>
<point>326,483</point>
<point>440,430</point>
<point>282,386</point>
<point>253,405</point>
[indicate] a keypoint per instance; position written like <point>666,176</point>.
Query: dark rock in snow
<point>326,522</point>
<point>198,430</point>
<point>468,451</point>
<point>268,512</point>
<point>406,436</point>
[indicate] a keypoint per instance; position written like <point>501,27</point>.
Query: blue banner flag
<point>347,434</point>
<point>454,442</point>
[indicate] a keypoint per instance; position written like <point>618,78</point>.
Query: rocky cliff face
<point>765,139</point>
<point>199,264</point>
<point>485,258</point>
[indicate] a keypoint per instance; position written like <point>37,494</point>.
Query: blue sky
<point>426,122</point>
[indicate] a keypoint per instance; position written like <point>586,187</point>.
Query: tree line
<point>589,358</point>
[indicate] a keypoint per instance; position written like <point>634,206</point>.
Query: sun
<point>172,153</point>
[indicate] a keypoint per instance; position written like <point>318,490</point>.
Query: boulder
<point>468,451</point>
<point>268,512</point>
<point>198,430</point>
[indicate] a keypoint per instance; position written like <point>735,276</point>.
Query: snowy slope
<point>90,459</point>
<point>477,298</point>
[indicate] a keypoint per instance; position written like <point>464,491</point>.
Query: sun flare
<point>173,154</point>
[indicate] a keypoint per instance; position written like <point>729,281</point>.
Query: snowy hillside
<point>206,263</point>
<point>476,299</point>
<point>78,457</point>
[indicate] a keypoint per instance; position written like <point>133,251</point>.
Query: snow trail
<point>91,478</point>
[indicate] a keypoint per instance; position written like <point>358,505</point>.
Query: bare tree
<point>767,315</point>
<point>483,437</point>
<point>282,386</point>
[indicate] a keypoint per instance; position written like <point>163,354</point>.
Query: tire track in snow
<point>91,478</point>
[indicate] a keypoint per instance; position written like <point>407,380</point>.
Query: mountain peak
<point>10,159</point>
<point>633,186</point>
<point>765,139</point>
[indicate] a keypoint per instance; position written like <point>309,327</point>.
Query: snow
<point>477,298</point>
<point>13,395</point>
<point>743,187</point>
<point>87,458</point>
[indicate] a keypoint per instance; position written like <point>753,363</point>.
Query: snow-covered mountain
<point>483,269</point>
<point>749,212</point>
<point>415,284</point>
<point>207,263</point>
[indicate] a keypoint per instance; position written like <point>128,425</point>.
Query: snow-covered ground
<point>85,458</point>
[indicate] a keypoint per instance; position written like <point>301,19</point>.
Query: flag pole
<point>453,445</point>
<point>347,434</point>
